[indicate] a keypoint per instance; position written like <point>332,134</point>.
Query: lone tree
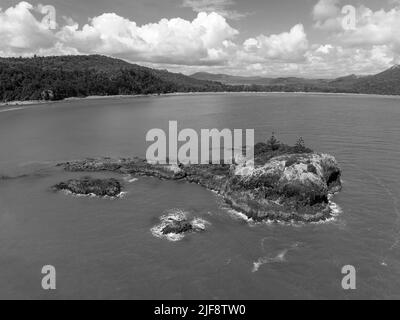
<point>300,143</point>
<point>300,146</point>
<point>273,143</point>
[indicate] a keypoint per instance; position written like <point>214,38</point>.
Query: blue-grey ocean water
<point>105,248</point>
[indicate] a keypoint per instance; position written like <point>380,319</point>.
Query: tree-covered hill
<point>387,82</point>
<point>57,78</point>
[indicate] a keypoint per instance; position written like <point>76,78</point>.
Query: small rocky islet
<point>89,186</point>
<point>176,223</point>
<point>289,184</point>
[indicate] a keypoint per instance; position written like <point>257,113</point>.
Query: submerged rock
<point>90,186</point>
<point>286,187</point>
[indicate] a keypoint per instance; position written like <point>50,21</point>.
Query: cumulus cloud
<point>205,40</point>
<point>290,45</point>
<point>337,60</point>
<point>327,15</point>
<point>222,7</point>
<point>375,28</point>
<point>210,43</point>
<point>372,28</point>
<point>170,41</point>
<point>373,43</point>
<point>21,32</point>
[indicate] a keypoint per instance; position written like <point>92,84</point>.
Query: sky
<point>268,38</point>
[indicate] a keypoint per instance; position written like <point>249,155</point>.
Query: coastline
<point>18,105</point>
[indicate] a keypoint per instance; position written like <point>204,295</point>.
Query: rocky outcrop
<point>47,95</point>
<point>177,227</point>
<point>176,224</point>
<point>90,186</point>
<point>288,187</point>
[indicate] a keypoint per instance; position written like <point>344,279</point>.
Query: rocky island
<point>175,224</point>
<point>285,184</point>
<point>89,186</point>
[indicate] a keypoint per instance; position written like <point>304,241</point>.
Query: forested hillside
<point>56,78</point>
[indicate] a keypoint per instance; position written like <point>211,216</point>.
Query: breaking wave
<point>130,179</point>
<point>278,258</point>
<point>92,195</point>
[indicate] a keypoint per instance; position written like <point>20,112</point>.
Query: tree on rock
<point>273,143</point>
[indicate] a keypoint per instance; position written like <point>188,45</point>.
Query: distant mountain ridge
<point>59,77</point>
<point>231,80</point>
<point>386,82</point>
<point>257,80</point>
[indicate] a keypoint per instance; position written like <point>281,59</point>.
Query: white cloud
<point>326,14</point>
<point>324,49</point>
<point>218,6</point>
<point>170,41</point>
<point>290,45</point>
<point>205,40</point>
<point>340,61</point>
<point>209,43</point>
<point>21,32</point>
<point>374,43</point>
<point>325,9</point>
<point>375,28</point>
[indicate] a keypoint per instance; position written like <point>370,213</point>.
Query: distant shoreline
<point>22,104</point>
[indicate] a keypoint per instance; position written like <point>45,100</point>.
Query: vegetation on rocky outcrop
<point>90,186</point>
<point>265,151</point>
<point>282,185</point>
